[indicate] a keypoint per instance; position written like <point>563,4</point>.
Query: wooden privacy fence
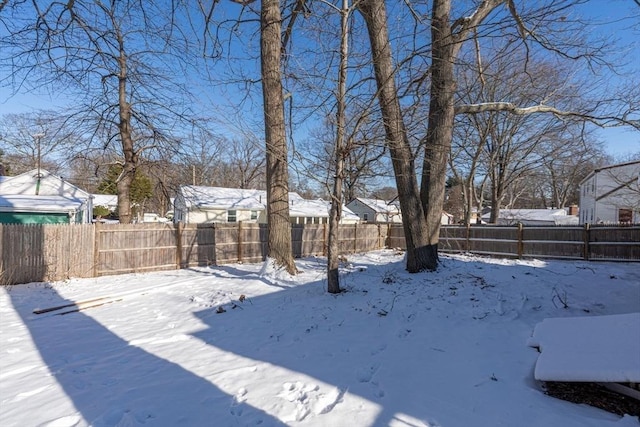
<point>588,242</point>
<point>36,253</point>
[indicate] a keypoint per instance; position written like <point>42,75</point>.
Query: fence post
<point>587,238</point>
<point>239,241</point>
<point>355,238</point>
<point>520,240</point>
<point>96,247</point>
<point>468,238</point>
<point>179,226</point>
<point>324,239</point>
<point>379,237</point>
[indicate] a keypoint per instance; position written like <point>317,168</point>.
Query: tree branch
<point>602,121</point>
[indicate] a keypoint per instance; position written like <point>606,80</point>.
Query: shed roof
<point>32,203</point>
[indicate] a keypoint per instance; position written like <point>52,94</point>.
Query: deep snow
<point>246,345</point>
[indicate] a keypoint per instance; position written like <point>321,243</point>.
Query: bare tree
<point>279,231</point>
<point>421,255</point>
<point>112,57</point>
<point>333,251</point>
<point>38,139</point>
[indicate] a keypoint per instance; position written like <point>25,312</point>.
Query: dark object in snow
<point>594,395</point>
<point>220,310</point>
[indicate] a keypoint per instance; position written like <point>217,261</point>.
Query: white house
<point>382,211</point>
<point>39,197</point>
<point>611,194</point>
<point>109,201</point>
<point>376,210</point>
<point>533,217</point>
<point>198,204</point>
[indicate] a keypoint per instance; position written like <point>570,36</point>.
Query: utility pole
<point>38,137</point>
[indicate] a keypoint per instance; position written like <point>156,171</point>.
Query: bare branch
<point>603,121</point>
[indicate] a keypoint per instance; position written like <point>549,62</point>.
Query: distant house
<point>376,210</point>
<point>446,218</point>
<point>533,217</point>
<point>611,194</point>
<point>379,211</point>
<point>39,197</point>
<point>199,204</point>
<point>109,201</point>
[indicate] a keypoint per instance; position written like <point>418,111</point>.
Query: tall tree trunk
<point>125,180</point>
<point>279,228</point>
<point>420,254</point>
<point>441,115</point>
<point>333,252</point>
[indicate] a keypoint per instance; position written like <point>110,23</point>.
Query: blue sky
<point>620,18</point>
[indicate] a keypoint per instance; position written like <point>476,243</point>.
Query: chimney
<point>573,210</point>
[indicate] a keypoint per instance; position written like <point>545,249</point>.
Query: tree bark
<point>421,255</point>
<point>441,116</point>
<point>279,228</point>
<point>333,252</point>
<point>125,180</point>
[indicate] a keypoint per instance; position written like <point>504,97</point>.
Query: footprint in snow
<point>309,399</point>
<point>238,399</point>
<point>365,374</point>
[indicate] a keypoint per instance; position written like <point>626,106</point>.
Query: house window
<point>625,216</point>
<point>254,215</point>
<point>232,216</point>
<point>309,220</point>
<point>365,217</point>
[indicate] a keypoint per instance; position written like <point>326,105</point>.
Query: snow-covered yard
<point>245,345</point>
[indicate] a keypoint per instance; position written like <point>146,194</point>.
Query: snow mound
<point>609,351</point>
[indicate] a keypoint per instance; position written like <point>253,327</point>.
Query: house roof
<point>619,165</point>
<point>106,200</point>
<point>32,203</point>
<point>238,198</point>
<point>224,198</point>
<point>316,208</point>
<point>530,214</point>
<point>381,206</point>
<point>43,183</point>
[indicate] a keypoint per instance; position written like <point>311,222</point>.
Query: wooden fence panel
<point>37,253</point>
<point>131,248</point>
<point>596,242</point>
<point>493,240</point>
<point>68,251</point>
<point>312,239</point>
<point>254,243</point>
<point>620,243</point>
<point>454,239</point>
<point>226,239</point>
<point>553,242</point>
<point>395,237</point>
